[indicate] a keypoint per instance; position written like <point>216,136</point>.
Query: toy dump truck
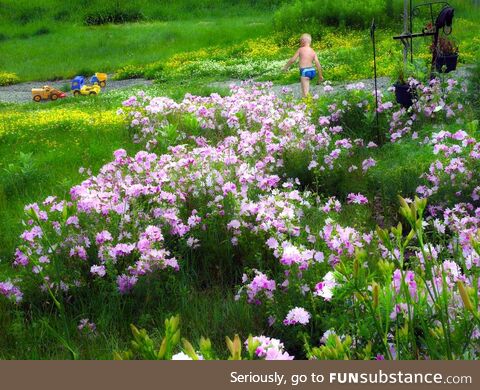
<point>99,79</point>
<point>79,87</point>
<point>47,93</point>
<point>88,90</point>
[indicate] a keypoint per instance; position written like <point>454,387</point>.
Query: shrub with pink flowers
<point>215,199</point>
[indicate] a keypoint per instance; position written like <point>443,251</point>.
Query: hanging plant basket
<point>404,94</point>
<point>446,63</point>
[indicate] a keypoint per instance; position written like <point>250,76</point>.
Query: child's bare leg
<point>305,83</point>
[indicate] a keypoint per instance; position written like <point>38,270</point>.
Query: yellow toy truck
<point>47,93</point>
<point>100,79</point>
<point>88,90</point>
<point>80,88</point>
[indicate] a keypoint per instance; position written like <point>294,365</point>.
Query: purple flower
<point>102,237</point>
<point>325,288</point>
<point>259,285</point>
<point>297,315</point>
<point>269,348</point>
<point>291,255</point>
<point>78,251</point>
<point>10,291</point>
<point>20,258</point>
<point>85,324</point>
<point>409,281</point>
<point>31,235</point>
<point>229,188</point>
<point>367,164</point>
<point>120,154</point>
<point>121,249</point>
<point>272,243</point>
<point>98,270</point>
<point>356,199</point>
<point>126,283</point>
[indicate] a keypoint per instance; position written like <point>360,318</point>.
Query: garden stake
<point>372,35</point>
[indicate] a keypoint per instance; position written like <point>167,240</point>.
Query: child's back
<point>306,59</point>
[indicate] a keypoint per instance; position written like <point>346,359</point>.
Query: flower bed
<point>213,192</point>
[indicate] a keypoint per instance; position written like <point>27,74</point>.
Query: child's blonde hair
<point>306,38</point>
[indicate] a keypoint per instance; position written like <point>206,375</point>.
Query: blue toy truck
<point>80,88</point>
<point>77,83</point>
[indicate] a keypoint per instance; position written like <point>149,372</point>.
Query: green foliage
<point>475,86</point>
<point>334,349</point>
<point>73,49</point>
<point>312,15</point>
<point>143,347</point>
<point>23,19</point>
<point>17,175</point>
<point>7,78</point>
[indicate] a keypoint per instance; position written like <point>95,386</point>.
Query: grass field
<point>70,48</point>
<point>85,50</point>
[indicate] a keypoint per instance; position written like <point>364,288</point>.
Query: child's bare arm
<point>291,61</point>
<point>319,68</point>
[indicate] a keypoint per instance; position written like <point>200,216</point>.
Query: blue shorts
<point>308,72</point>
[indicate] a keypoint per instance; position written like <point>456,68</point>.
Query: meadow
<point>242,212</point>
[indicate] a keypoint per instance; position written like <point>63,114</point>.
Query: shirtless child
<point>307,57</point>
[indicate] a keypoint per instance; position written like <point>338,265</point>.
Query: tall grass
<point>22,18</point>
<point>312,15</point>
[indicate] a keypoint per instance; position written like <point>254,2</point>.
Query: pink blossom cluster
<point>269,348</point>
<point>297,315</point>
<point>10,291</point>
<point>456,167</point>
<point>116,221</point>
<point>433,101</point>
<point>260,286</point>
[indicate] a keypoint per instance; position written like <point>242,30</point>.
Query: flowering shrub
<point>456,168</point>
<point>435,102</point>
<point>220,197</point>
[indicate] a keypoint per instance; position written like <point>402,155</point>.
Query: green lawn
<point>80,49</point>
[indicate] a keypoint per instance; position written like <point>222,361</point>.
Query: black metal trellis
<point>437,23</point>
<point>372,36</point>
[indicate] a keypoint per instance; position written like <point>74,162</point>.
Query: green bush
<point>129,72</point>
<point>116,15</point>
<point>310,15</point>
<point>8,78</point>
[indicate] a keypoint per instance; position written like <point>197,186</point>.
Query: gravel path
<point>22,93</point>
<point>382,84</point>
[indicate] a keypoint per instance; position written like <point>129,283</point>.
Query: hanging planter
<point>447,55</point>
<point>446,63</point>
<point>404,94</point>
